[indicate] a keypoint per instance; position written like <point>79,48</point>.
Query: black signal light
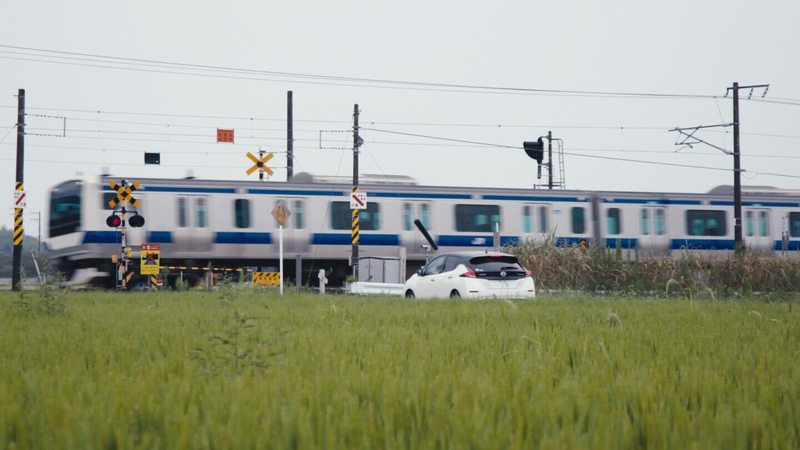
<point>136,221</point>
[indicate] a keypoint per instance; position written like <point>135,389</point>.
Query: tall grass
<point>692,273</point>
<point>188,370</point>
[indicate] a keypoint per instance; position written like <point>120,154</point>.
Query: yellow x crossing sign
<point>260,164</point>
<point>124,193</point>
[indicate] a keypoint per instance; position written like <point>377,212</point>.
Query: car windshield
<point>494,263</point>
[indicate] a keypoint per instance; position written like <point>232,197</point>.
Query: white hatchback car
<point>471,275</point>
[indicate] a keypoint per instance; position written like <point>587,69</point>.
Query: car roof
<point>474,253</point>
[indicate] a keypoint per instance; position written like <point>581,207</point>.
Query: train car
<point>229,223</point>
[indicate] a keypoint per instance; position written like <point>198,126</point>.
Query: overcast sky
<point>117,109</point>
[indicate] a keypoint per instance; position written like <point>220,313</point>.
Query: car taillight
<point>528,273</point>
<point>468,274</point>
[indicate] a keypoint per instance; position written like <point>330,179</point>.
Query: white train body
<point>229,223</point>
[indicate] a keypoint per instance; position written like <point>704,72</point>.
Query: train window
<point>299,214</point>
<point>480,218</point>
<point>763,224</point>
<point>342,218</point>
<point>613,216</point>
<point>181,212</point>
<point>65,208</point>
<point>748,223</point>
<point>408,218</point>
<point>544,227</point>
<point>527,220</point>
<point>241,213</point>
<point>425,214</point>
<point>705,223</point>
<point>578,220</point>
<point>645,222</point>
<point>661,224</point>
<point>794,224</point>
<point>202,214</point>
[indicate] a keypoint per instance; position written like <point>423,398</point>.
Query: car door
<point>447,280</point>
<point>431,279</point>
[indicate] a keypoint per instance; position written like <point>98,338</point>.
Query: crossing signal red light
<point>113,221</point>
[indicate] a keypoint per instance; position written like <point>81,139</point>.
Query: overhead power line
<point>141,64</point>
<point>610,158</point>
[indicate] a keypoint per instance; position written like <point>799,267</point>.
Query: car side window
<point>435,266</point>
<point>451,263</point>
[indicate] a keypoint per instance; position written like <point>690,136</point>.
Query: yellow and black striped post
<point>354,237</point>
<point>18,228</point>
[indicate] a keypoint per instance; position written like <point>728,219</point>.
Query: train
<point>230,224</point>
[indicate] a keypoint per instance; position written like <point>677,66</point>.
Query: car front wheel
<point>455,294</point>
<point>409,294</point>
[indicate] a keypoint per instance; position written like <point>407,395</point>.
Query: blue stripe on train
<point>363,239</point>
<point>793,245</point>
<point>101,237</point>
<point>159,237</point>
<point>703,244</point>
<point>474,240</point>
<point>624,243</point>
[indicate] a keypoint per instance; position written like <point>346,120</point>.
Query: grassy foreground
<point>238,370</point>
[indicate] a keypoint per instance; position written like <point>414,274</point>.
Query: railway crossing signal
<point>117,220</point>
<point>260,164</point>
<point>124,193</point>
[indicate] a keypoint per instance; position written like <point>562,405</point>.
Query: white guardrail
<point>366,288</point>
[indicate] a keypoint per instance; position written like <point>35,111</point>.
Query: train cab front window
<point>65,208</point>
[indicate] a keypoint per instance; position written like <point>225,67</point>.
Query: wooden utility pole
<point>737,170</point>
<point>355,228</point>
<point>19,232</point>
<point>289,138</point>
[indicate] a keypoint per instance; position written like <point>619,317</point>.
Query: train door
<point>193,233</point>
<point>756,228</point>
<point>410,236</point>
<point>535,221</point>
<point>653,228</point>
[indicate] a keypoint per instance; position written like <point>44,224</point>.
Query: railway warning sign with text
<point>225,135</point>
<point>151,259</point>
<point>19,199</point>
<point>358,200</point>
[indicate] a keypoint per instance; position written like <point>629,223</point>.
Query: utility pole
<point>737,171</point>
<point>19,234</point>
<point>355,229</point>
<point>689,139</point>
<point>550,160</point>
<point>737,175</point>
<point>289,138</point>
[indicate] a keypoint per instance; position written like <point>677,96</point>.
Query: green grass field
<point>238,369</point>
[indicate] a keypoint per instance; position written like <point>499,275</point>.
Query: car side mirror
<point>421,271</point>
